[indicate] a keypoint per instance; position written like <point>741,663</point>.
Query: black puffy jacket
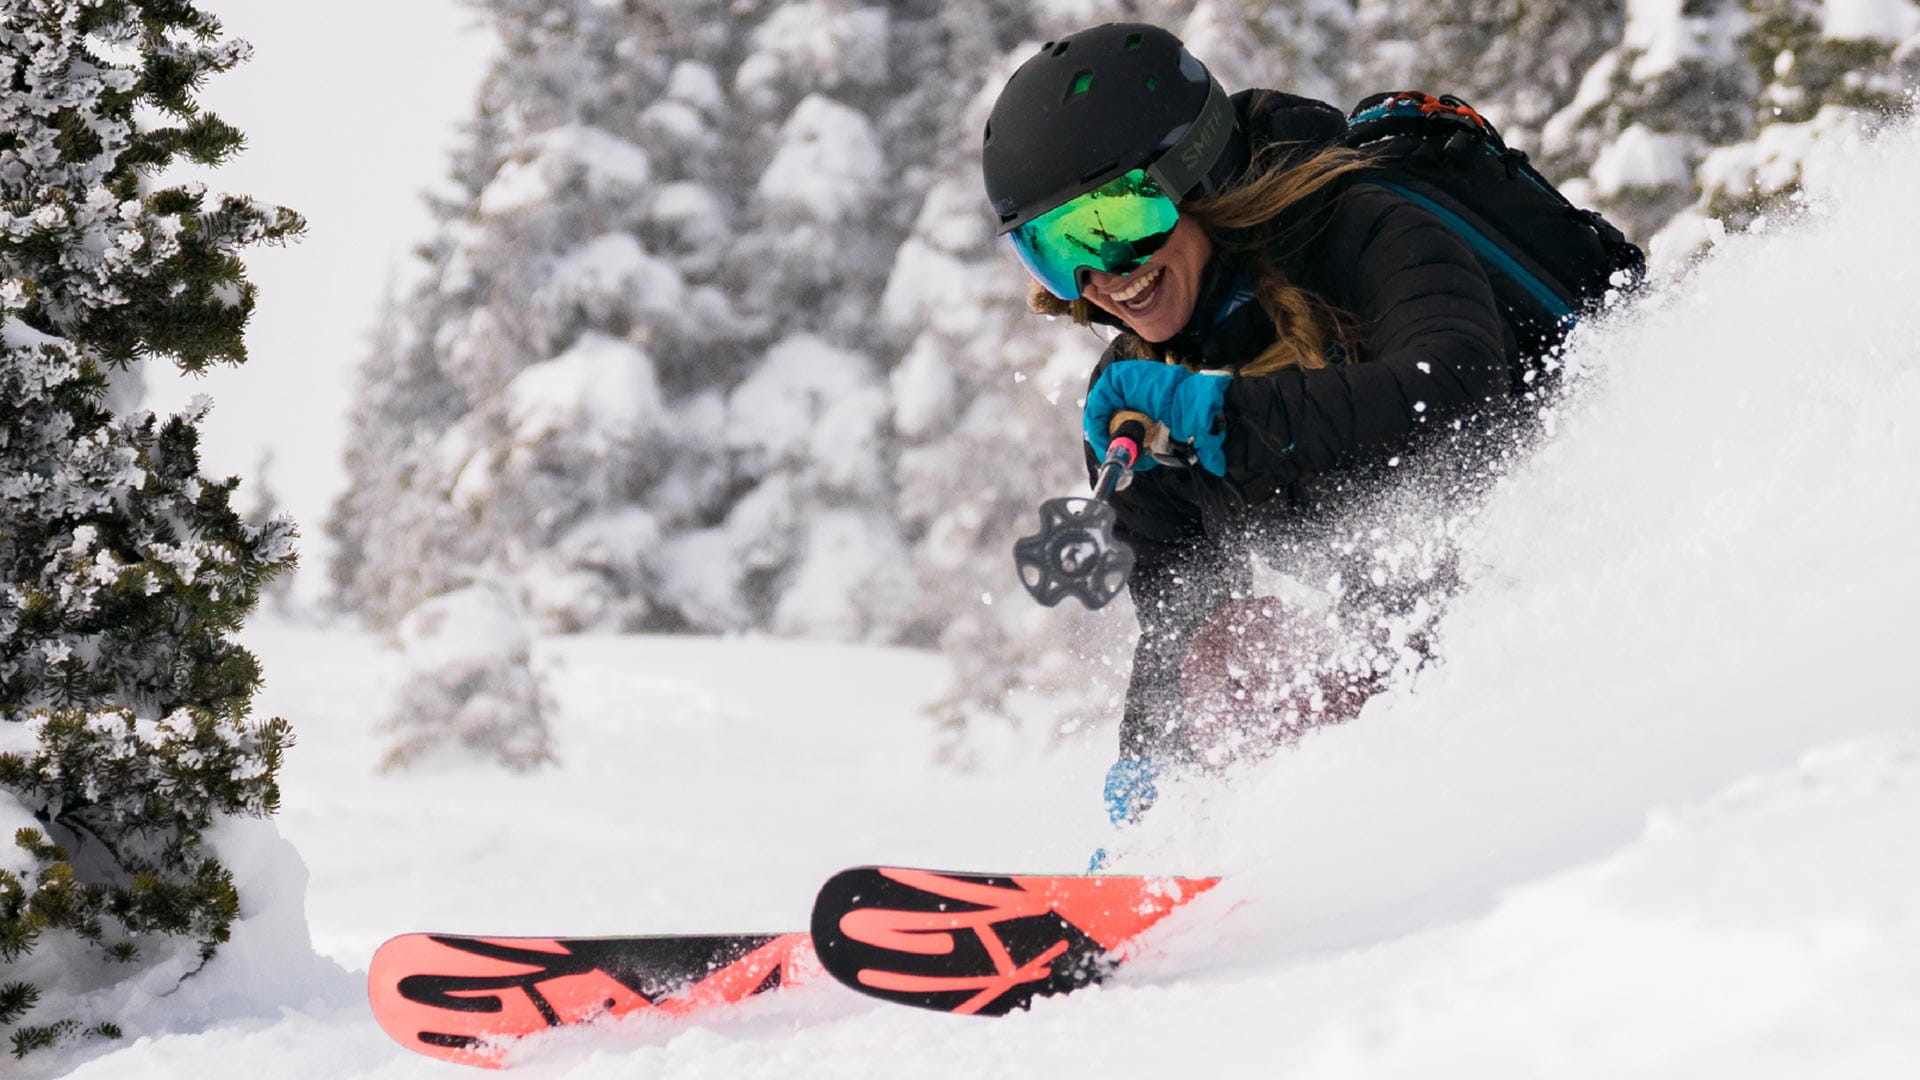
<point>1434,356</point>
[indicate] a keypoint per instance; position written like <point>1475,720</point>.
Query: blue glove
<point>1130,791</point>
<point>1187,402</point>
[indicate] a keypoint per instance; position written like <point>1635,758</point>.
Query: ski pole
<point>1075,552</point>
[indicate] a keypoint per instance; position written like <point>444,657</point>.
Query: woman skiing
<point>1304,340</point>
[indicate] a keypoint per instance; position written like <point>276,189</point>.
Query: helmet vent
<point>1081,84</point>
<point>1061,49</point>
<point>1133,40</point>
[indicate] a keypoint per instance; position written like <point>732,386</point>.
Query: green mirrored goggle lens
<point>1115,227</point>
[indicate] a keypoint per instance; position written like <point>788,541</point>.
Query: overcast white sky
<point>349,108</point>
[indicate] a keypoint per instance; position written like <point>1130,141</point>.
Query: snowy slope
<point>1652,817</point>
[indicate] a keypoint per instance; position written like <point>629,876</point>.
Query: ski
<point>465,999</point>
<point>984,944</point>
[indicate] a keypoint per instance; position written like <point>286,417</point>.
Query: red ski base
<point>465,999</point>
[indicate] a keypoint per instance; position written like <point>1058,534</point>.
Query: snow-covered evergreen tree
<point>1648,110</point>
<point>1827,73</point>
<point>469,689</point>
<point>641,381</point>
<point>714,334</point>
<point>1517,63</point>
<point>262,508</point>
<point>124,702</point>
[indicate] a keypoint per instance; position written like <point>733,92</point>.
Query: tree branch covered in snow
<point>124,726</point>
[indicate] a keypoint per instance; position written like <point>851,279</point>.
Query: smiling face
<point>1156,300</point>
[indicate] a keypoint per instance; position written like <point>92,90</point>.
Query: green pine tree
<point>1817,83</point>
<point>124,572</point>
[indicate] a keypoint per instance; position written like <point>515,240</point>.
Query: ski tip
<point>984,944</point>
<point>415,987</point>
<point>469,999</point>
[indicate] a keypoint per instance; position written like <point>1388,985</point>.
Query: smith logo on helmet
<point>1198,151</point>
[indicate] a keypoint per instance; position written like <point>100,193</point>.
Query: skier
<point>1305,340</point>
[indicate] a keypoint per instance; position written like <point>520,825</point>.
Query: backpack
<point>1549,261</point>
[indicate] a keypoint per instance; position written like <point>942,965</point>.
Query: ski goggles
<point>1116,227</point>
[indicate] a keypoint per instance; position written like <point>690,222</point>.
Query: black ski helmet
<point>1090,107</point>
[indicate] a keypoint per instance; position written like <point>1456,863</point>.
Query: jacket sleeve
<point>1432,347</point>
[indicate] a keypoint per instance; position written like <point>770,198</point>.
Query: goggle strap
<point>1187,162</point>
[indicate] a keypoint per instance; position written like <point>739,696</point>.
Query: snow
<point>1663,36</point>
<point>676,119</point>
<point>605,161</point>
<point>932,282</point>
<point>923,388</point>
<point>1784,154</point>
<point>827,163</point>
<point>614,270</point>
<point>696,84</point>
<point>693,210</point>
<point>1596,87</point>
<point>461,632</point>
<point>1642,158</point>
<point>844,548</point>
<point>599,393</point>
<point>1651,817</point>
<point>1869,20</point>
<point>814,45</point>
<point>779,408</point>
<point>15,817</point>
<point>468,692</point>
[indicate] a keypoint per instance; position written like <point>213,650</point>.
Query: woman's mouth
<point>1140,292</point>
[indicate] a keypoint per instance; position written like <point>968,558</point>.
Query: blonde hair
<point>1241,222</point>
